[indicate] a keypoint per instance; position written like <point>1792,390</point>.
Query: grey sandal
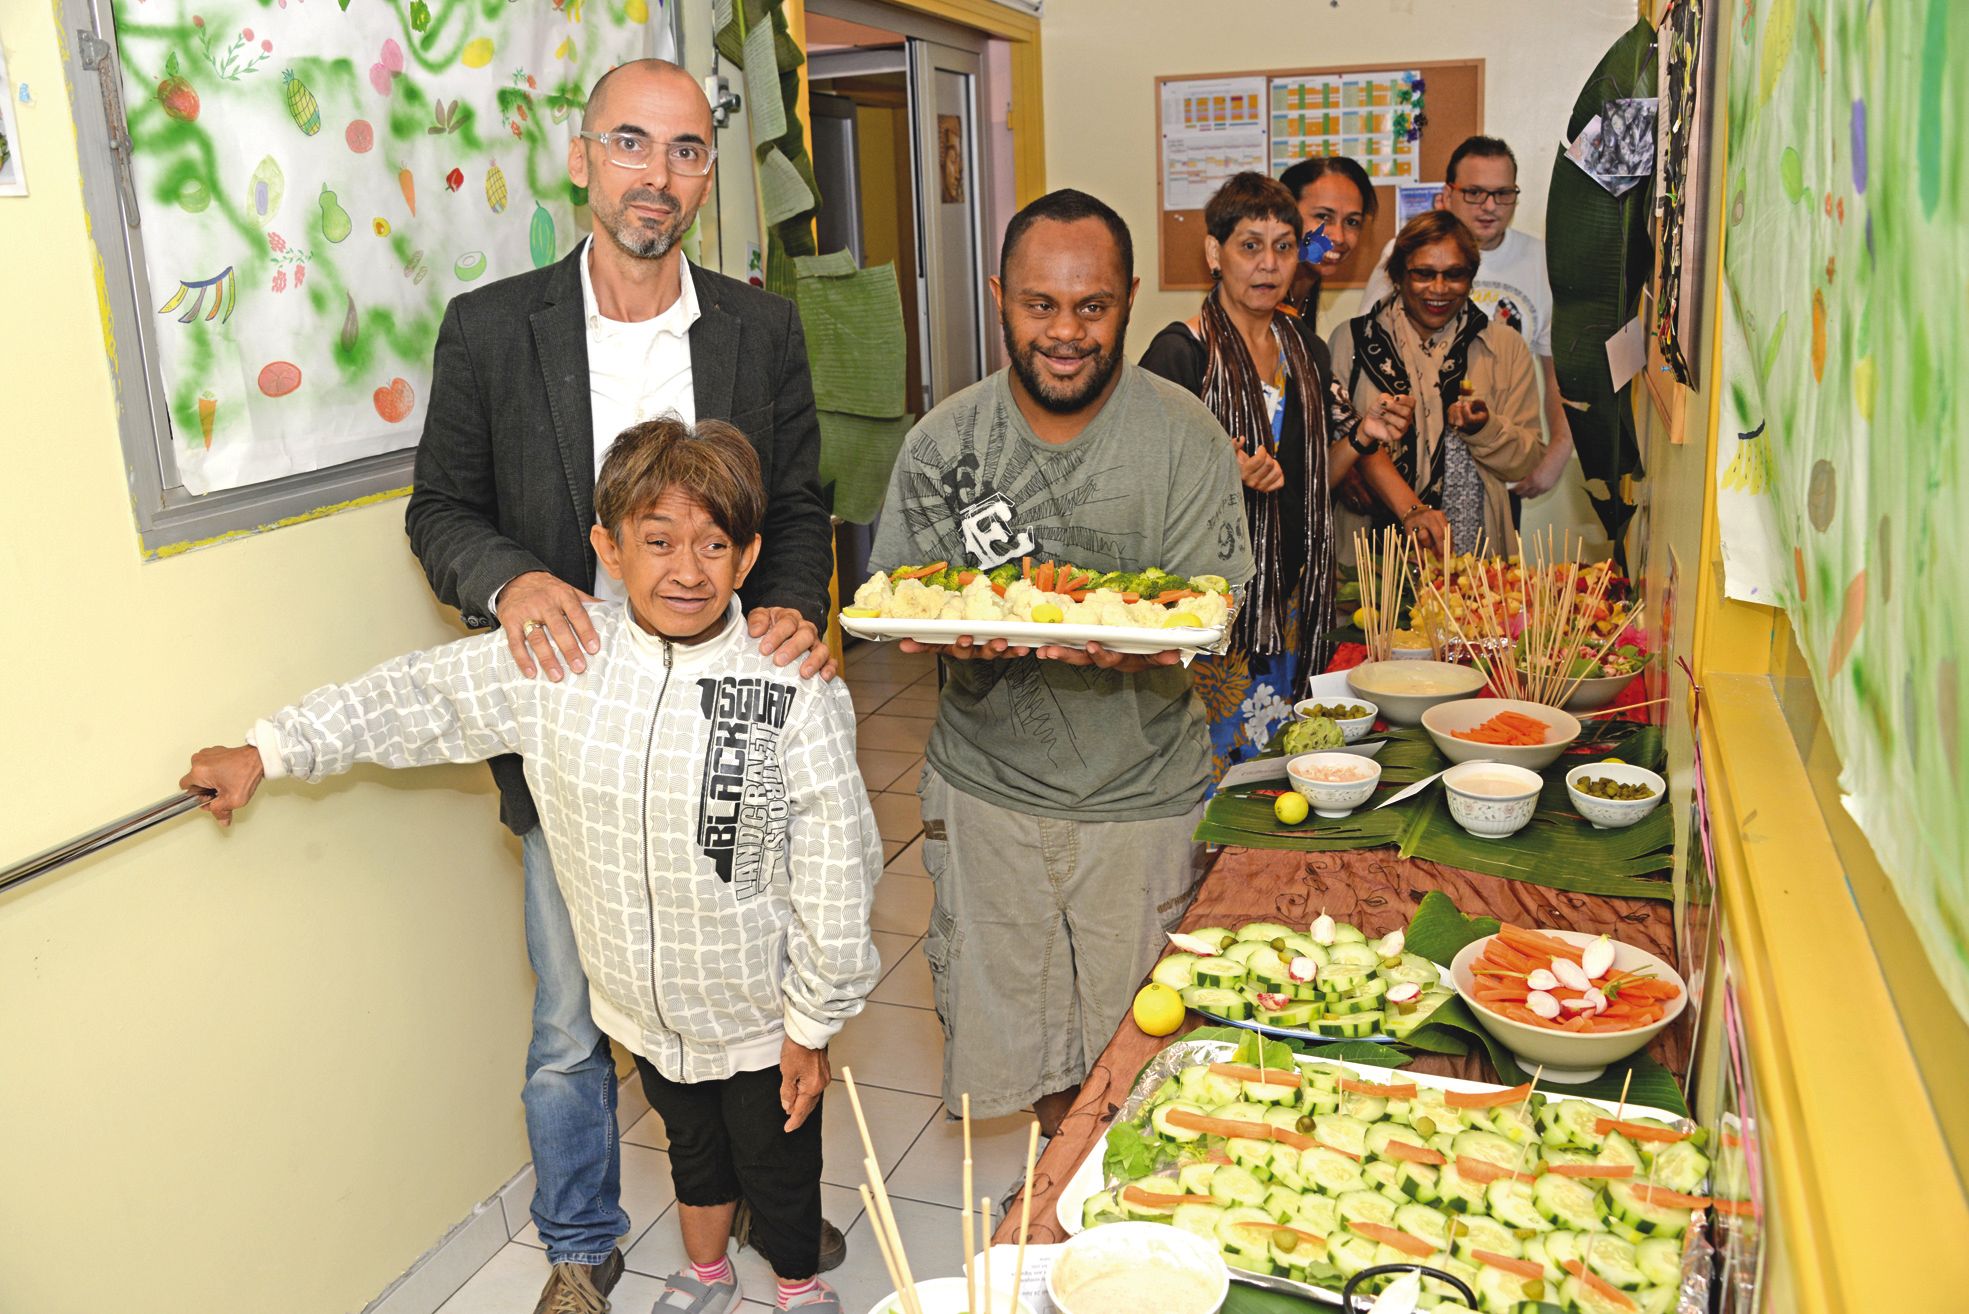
<point>684,1294</point>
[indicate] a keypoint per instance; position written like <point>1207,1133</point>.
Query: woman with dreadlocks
<point>1267,378</point>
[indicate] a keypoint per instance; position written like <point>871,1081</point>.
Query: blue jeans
<point>570,1084</point>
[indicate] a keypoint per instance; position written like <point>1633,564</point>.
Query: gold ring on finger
<point>526,630</point>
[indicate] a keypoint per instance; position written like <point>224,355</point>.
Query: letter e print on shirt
<point>988,537</point>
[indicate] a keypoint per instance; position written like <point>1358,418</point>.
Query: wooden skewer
<point>984,1209</point>
<point>883,1215</point>
<point>970,1241</point>
<point>1025,1209</point>
<point>1586,1257</point>
<point>882,1244</point>
<point>1616,711</point>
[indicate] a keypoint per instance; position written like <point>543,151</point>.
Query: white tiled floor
<point>895,1048</point>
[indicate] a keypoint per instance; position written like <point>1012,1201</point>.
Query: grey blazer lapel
<point>714,353</point>
<point>560,337</point>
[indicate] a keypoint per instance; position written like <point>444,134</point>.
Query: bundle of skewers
<point>976,1226</point>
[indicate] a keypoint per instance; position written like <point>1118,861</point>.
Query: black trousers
<point>727,1141</point>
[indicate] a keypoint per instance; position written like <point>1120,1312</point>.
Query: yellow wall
<point>1100,104</point>
<point>237,1071</point>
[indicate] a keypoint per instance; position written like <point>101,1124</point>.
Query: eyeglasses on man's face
<point>633,150</point>
<point>1455,275</point>
<point>1502,197</point>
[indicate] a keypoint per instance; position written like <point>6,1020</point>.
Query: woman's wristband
<point>1414,511</point>
<point>1361,448</point>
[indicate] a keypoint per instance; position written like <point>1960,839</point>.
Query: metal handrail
<point>101,837</point>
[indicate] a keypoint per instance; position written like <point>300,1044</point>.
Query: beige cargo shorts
<point>1042,931</point>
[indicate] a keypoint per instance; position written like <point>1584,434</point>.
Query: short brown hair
<point>710,462</point>
<point>1427,229</point>
<point>1250,196</point>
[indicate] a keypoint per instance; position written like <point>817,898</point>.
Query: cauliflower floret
<point>1079,613</point>
<point>1021,596</point>
<point>981,603</point>
<point>915,601</point>
<point>876,593</point>
<point>1213,609</point>
<point>1146,614</point>
<point>953,607</point>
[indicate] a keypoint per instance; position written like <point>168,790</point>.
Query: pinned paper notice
<point>1627,353</point>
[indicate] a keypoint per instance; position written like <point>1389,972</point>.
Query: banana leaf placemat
<point>1558,849</point>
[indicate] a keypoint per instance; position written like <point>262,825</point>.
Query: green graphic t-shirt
<point>1150,482</point>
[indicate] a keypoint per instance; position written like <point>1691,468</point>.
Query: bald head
<point>641,79</point>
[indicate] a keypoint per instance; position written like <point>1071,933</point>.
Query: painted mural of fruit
<point>477,53</point>
<point>351,325</point>
<point>280,378</point>
<point>495,189</point>
<point>265,189</point>
<point>335,222</point>
<point>407,182</point>
<point>454,180</point>
<point>360,136</point>
<point>175,94</point>
<point>394,403</point>
<point>301,104</point>
<point>540,237</point>
<point>469,266</point>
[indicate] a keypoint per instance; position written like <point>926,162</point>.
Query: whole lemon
<point>1362,617</point>
<point>1158,1009</point>
<point>1291,809</point>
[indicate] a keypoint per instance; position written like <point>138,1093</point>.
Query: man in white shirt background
<point>1480,187</point>
<point>533,377</point>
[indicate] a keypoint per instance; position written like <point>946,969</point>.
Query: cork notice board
<point>1452,109</point>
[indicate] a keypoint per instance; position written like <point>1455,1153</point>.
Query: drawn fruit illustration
<point>194,196</point>
<point>301,104</point>
<point>454,180</point>
<point>175,94</point>
<point>495,189</point>
<point>540,238</point>
<point>380,226</point>
<point>408,182</point>
<point>208,411</point>
<point>383,73</point>
<point>394,403</point>
<point>279,378</point>
<point>469,266</point>
<point>264,190</point>
<point>1818,335</point>
<point>478,53</point>
<point>335,221</point>
<point>637,11</point>
<point>360,136</point>
<point>420,16</point>
<point>351,325</point>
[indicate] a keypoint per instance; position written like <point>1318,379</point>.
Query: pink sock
<point>791,1291</point>
<point>712,1273</point>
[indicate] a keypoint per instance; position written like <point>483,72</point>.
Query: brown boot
<point>580,1288</point>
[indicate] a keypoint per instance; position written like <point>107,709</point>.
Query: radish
<point>1540,979</point>
<point>1270,1001</point>
<point>1543,1004</point>
<point>1322,929</point>
<point>1302,969</point>
<point>1597,958</point>
<point>1596,1000</point>
<point>1405,993</point>
<point>1569,974</point>
<point>1190,944</point>
<point>1390,945</point>
<point>1581,1005</point>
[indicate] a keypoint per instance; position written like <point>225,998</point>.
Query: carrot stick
<point>1156,1200</point>
<point>1523,1268</point>
<point>1244,1072</point>
<point>1592,1170</point>
<point>1414,1153</point>
<point>1406,1242</point>
<point>1485,1099</point>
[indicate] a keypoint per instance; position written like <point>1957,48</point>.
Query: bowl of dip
<point>1404,690</point>
<point>1492,799</point>
<point>948,1295</point>
<point>1334,783</point>
<point>1134,1268</point>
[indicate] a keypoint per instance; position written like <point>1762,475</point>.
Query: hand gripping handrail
<point>101,838</point>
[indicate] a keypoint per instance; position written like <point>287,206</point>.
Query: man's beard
<point>638,238</point>
<point>1062,398</point>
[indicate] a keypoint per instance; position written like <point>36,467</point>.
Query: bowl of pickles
<point>1354,716</point>
<point>1611,795</point>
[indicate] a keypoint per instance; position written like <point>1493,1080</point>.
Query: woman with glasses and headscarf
<point>1265,376</point>
<point>1466,380</point>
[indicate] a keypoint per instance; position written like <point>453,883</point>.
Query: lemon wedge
<point>1047,614</point>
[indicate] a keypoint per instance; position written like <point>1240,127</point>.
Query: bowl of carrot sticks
<point>1508,730</point>
<point>1565,1000</point>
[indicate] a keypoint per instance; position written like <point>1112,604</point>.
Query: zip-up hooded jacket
<point>705,813</point>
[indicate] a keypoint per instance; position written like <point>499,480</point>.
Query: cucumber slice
<point>1344,1133</point>
<point>1380,1175</point>
<point>1264,962</point>
<point>1100,1208</point>
<point>1514,1123</point>
<point>1281,1203</point>
<point>1239,951</point>
<point>1291,1251</point>
<point>1361,1001</point>
<point>1365,1207</point>
<point>1381,1133</point>
<point>1618,1149</point>
<point>1234,1185</point>
<point>1304,946</point>
<point>1614,1260</point>
<point>1570,1122</point>
<point>1269,1092</point>
<point>1317,1099</point>
<point>1499,1292</point>
<point>1148,1213</point>
<point>1160,1121</point>
<point>1265,932</point>
<point>1432,1225</point>
<point>1318,1214</point>
<point>1177,971</point>
<point>1660,1260</point>
<point>1418,1181</point>
<point>1457,1193</point>
<point>1413,969</point>
<point>1261,1264</point>
<point>1565,1202</point>
<point>1298,1016</point>
<point>1356,954</point>
<point>1555,1156</point>
<point>1335,982</point>
<point>1331,1173</point>
<point>1351,1027</point>
<point>1625,1204</point>
<point>1348,933</point>
<point>1219,973</point>
<point>1557,1249</point>
<point>1583,1299</point>
<point>1217,935</point>
<point>1225,1003</point>
<point>1481,1232</point>
<point>1625,1231</point>
<point>1404,1020</point>
<point>1236,1237</point>
<point>1323,1075</point>
<point>1194,1178</point>
<point>1680,1167</point>
<point>1491,1148</point>
<point>1510,1203</point>
<point>1349,1253</point>
<point>1198,1220</point>
<point>1285,1169</point>
<point>1255,1157</point>
<point>1657,1300</point>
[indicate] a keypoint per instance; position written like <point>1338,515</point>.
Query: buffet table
<point>1376,890</point>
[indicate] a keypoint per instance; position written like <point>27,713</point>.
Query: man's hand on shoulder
<point>786,636</point>
<point>546,622</point>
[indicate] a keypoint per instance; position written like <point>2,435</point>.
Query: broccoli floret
<point>1121,581</point>
<point>1004,574</point>
<point>1154,572</point>
<point>1159,584</point>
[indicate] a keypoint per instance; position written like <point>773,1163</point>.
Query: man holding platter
<point>1062,785</point>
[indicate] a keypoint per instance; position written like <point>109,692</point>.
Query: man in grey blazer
<point>533,377</point>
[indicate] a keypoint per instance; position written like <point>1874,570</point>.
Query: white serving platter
<point>1187,639</point>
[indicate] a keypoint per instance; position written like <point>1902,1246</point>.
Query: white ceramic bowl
<point>1487,815</point>
<point>948,1295</point>
<point>1614,813</point>
<point>1334,798</point>
<point>1598,692</point>
<point>1352,728</point>
<point>1412,654</point>
<point>1469,713</point>
<point>1570,1056</point>
<point>1125,1246</point>
<point>1404,690</point>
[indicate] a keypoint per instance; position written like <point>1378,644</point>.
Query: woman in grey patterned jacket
<point>709,829</point>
